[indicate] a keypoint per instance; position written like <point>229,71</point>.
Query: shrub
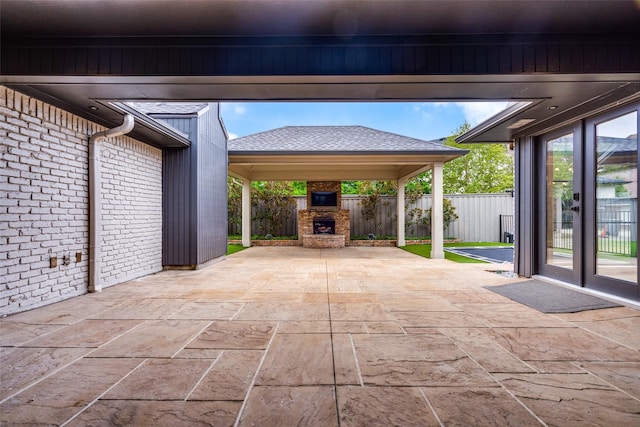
<point>448,214</point>
<point>273,204</point>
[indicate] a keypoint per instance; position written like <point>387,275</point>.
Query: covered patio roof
<point>316,153</point>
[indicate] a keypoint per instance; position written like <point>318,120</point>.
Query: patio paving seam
<point>503,387</point>
<point>55,371</point>
<point>333,351</point>
<point>192,338</point>
<point>512,353</point>
<point>237,313</point>
<point>355,356</point>
<point>197,384</point>
<point>87,406</point>
<point>39,380</point>
<point>579,326</point>
<point>255,376</point>
<point>433,410</point>
<point>604,380</point>
<point>26,343</point>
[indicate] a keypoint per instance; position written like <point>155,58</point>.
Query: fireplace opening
<point>324,226</point>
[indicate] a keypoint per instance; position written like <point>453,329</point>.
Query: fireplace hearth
<point>324,226</point>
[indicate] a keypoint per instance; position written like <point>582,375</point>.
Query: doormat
<point>549,298</point>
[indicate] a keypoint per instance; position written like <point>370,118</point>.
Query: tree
<point>350,187</point>
<point>299,188</point>
<point>487,168</point>
<point>448,215</point>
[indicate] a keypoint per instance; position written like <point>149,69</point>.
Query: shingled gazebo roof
<point>333,152</point>
<point>334,139</point>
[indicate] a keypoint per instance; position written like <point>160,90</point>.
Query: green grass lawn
<point>425,251</point>
<point>232,248</point>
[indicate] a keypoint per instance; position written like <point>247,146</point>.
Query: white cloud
<point>421,109</point>
<point>426,109</point>
<point>477,112</point>
<point>233,135</point>
<point>235,108</point>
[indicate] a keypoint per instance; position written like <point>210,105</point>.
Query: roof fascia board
<point>387,154</point>
<point>343,160</point>
<point>517,108</point>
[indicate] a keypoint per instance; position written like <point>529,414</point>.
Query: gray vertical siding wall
<point>211,187</point>
<point>195,192</point>
<point>479,217</point>
<point>178,201</point>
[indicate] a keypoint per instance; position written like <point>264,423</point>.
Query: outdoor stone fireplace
<point>324,224</point>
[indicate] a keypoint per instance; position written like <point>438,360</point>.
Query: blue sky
<point>422,120</point>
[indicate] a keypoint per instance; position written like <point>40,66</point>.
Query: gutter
<point>95,204</point>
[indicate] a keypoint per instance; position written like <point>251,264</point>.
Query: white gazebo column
<point>400,212</point>
<point>246,213</point>
<point>437,220</point>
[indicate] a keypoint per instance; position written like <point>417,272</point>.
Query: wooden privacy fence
<point>479,217</point>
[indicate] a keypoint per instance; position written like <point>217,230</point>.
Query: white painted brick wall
<point>44,204</point>
<point>131,210</point>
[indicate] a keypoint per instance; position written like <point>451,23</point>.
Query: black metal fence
<point>563,233</point>
<point>616,227</point>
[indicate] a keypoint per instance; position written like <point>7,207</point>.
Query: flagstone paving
<point>318,337</point>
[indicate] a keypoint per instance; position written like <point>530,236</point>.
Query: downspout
<point>95,205</point>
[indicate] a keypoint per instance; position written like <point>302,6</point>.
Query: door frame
<point>573,275</point>
<point>592,280</point>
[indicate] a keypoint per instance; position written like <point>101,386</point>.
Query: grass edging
<point>232,248</point>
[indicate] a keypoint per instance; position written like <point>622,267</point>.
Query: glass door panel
<point>616,232</point>
<point>559,202</point>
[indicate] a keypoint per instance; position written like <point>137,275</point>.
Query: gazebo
<point>340,153</point>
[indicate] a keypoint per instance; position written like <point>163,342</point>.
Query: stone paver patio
<point>308,337</point>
